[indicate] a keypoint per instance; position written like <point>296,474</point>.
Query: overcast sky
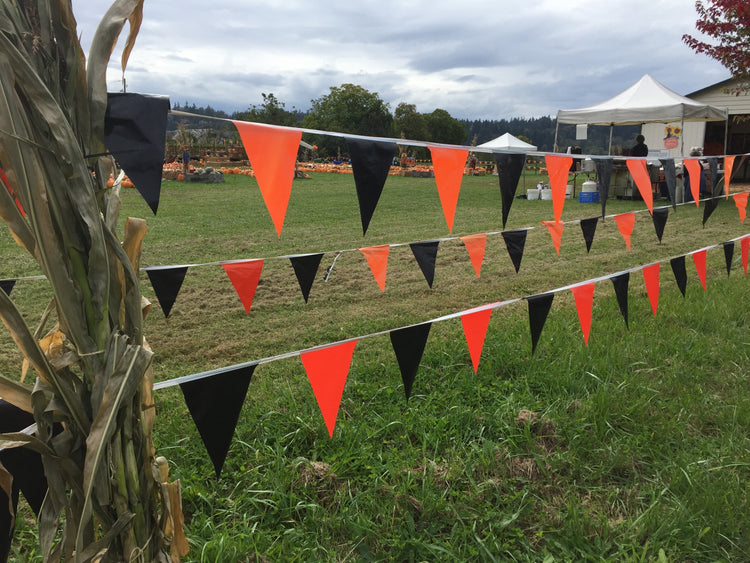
<point>483,59</point>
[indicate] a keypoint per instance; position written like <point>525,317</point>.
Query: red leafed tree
<point>727,22</point>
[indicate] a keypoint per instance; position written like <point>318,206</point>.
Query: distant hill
<point>540,131</point>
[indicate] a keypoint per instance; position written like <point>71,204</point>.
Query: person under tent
<point>640,148</point>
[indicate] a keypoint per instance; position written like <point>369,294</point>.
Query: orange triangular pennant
<point>694,170</point>
<point>728,165</point>
<point>475,246</point>
<point>740,200</point>
<point>377,258</point>
<point>475,329</point>
<point>555,229</point>
<point>639,172</point>
<point>327,369</point>
<point>745,246</point>
<point>625,223</point>
<point>448,165</point>
<point>699,258</point>
<point>272,152</point>
<point>584,297</point>
<point>558,168</point>
<point>651,277</point>
<point>244,276</point>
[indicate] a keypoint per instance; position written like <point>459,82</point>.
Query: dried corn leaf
<point>102,45</point>
<point>15,393</point>
<point>25,342</point>
<point>11,440</point>
<point>180,546</point>
<point>135,19</point>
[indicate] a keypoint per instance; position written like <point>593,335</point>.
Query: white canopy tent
<point>646,101</point>
<point>507,142</point>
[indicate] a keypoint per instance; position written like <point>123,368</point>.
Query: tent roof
<point>645,101</point>
<point>507,142</point>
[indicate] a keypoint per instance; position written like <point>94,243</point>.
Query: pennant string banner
<point>280,145</point>
<point>412,142</point>
<point>512,240</point>
<point>619,280</point>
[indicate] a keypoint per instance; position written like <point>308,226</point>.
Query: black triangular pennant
<point>215,403</point>
<point>539,306</point>
<point>166,281</point>
<point>305,267</point>
<point>7,286</point>
<point>515,242</point>
<point>711,204</point>
<point>509,169</point>
<point>408,344</point>
<point>371,162</point>
<point>729,254</point>
<point>680,273</point>
<point>621,291</point>
<point>670,177</point>
<point>588,226</point>
<point>24,465</point>
<point>659,217</point>
<point>426,254</point>
<point>135,130</point>
<point>603,174</point>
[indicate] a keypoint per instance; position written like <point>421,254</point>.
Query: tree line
<point>350,108</point>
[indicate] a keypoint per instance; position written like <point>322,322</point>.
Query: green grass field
<point>635,447</point>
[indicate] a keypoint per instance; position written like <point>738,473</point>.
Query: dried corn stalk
<point>105,500</point>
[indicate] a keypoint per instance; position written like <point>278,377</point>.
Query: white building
<point>710,136</point>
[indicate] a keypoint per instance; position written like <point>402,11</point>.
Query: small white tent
<point>507,142</point>
<point>646,101</point>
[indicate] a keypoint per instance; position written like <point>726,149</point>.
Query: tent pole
<point>726,132</point>
<point>611,127</point>
<point>682,136</point>
<point>557,127</point>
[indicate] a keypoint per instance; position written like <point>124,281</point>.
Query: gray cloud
<point>481,60</point>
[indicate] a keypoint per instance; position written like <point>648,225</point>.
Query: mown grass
<point>633,447</point>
